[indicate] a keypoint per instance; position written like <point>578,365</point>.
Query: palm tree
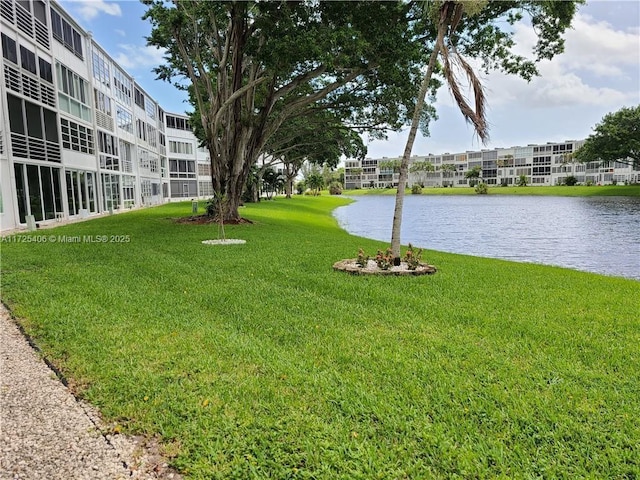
<point>449,16</point>
<point>315,182</point>
<point>422,167</point>
<point>473,175</point>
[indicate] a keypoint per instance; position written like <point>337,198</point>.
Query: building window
<point>152,138</point>
<point>124,119</point>
<point>40,11</point>
<point>76,137</point>
<point>18,80</point>
<point>163,167</point>
<point>103,110</point>
<point>103,102</point>
<point>108,148</point>
<point>128,190</point>
<point>9,49</point>
<point>107,143</point>
<point>206,189</point>
<point>539,171</point>
<point>182,168</point>
<point>542,160</point>
<point>145,191</point>
<point>66,34</point>
<point>181,147</point>
<point>34,133</point>
<point>122,86</point>
<point>111,190</point>
<point>81,191</point>
<point>126,158</point>
<point>148,161</point>
<point>46,72</point>
<point>73,96</point>
<point>204,170</point>
<point>151,109</point>
<point>178,123</point>
<point>139,98</point>
<point>38,191</point>
<point>101,68</point>
<point>141,130</point>
<point>28,60</point>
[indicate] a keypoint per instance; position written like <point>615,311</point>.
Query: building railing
<point>34,148</point>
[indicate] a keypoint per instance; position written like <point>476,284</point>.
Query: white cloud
<point>599,72</point>
<point>600,67</point>
<point>122,33</point>
<point>569,89</point>
<point>90,9</point>
<point>138,56</point>
<point>597,47</point>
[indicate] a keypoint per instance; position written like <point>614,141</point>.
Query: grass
<point>554,191</point>
<point>260,361</point>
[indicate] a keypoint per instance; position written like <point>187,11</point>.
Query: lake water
<point>594,234</point>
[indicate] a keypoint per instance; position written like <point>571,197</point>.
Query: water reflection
<point>596,234</point>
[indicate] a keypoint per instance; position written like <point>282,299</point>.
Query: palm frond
<point>451,61</point>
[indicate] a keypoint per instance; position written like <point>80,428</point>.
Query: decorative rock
<point>224,241</point>
<point>350,266</point>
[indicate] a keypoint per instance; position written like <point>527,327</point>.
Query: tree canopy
<point>318,137</point>
<point>254,66</point>
<point>615,138</point>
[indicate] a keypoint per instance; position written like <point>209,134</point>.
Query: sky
<point>598,73</point>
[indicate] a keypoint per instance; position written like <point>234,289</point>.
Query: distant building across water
<point>545,164</point>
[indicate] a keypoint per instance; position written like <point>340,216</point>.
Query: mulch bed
<point>350,266</point>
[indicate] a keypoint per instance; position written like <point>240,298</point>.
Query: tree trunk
<point>230,176</point>
<point>404,165</point>
<point>290,175</point>
<point>288,187</point>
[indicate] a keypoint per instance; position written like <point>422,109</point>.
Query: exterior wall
<point>545,164</point>
<point>370,173</point>
<point>71,151</point>
<point>182,156</point>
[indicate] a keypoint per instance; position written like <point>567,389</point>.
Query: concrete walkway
<point>45,433</point>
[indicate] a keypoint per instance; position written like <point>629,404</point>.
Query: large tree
<point>318,137</point>
<point>481,30</point>
<point>254,65</point>
<point>615,139</point>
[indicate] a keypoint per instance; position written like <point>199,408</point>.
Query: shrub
<point>482,188</point>
<point>570,181</point>
<point>589,183</point>
<point>335,188</point>
<point>522,181</point>
<point>412,258</point>
<point>211,207</point>
<point>362,259</point>
<point>300,187</point>
<point>416,189</point>
<point>384,259</point>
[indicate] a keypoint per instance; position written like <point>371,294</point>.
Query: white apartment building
<point>189,164</point>
<point>78,136</point>
<point>546,164</point>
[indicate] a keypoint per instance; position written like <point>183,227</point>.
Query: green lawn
<point>260,361</point>
<point>554,191</point>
